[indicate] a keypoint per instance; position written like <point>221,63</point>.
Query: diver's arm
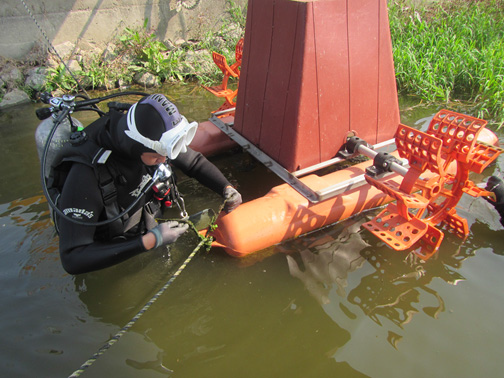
<point>79,251</point>
<point>99,255</point>
<point>195,165</point>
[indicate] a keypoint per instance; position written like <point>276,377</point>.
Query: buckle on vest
<point>109,192</point>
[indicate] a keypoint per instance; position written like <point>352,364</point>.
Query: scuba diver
<point>96,178</point>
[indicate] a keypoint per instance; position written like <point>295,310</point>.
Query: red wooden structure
<point>312,72</point>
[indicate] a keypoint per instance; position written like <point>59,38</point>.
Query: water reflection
<point>224,319</point>
<point>325,260</point>
<point>29,217</point>
<point>392,294</point>
<point>328,260</point>
<point>114,295</point>
<point>155,365</point>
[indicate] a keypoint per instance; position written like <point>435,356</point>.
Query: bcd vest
<point>97,157</point>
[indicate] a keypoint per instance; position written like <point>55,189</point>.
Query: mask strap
<point>134,134</point>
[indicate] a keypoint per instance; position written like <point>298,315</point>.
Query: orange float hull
<point>284,214</point>
<point>209,140</point>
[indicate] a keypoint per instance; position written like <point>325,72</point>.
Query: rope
<point>187,4</point>
<point>51,47</point>
<point>124,329</point>
<point>204,241</point>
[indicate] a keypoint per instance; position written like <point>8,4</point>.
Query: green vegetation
<point>451,51</point>
<point>138,51</point>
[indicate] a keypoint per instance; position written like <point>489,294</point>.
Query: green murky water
<point>334,303</point>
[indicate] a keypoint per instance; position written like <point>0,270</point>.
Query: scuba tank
<point>64,128</point>
<point>59,139</point>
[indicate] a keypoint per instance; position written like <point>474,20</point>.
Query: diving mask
<point>171,143</point>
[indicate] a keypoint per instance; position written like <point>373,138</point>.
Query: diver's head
<point>156,124</point>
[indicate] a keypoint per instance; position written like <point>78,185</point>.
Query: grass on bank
<point>451,50</point>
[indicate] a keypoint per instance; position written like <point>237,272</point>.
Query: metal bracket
<point>292,179</point>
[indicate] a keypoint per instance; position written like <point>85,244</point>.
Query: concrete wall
<point>99,21</point>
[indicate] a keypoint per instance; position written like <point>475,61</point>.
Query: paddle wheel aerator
<point>449,150</point>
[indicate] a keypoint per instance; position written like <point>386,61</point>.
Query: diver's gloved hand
<point>232,199</point>
<point>168,232</point>
<point>496,185</point>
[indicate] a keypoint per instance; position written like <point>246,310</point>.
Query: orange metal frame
<point>423,204</point>
<point>222,89</point>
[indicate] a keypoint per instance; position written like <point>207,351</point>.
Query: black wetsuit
<point>87,248</point>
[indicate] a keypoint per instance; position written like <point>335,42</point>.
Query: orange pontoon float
<point>284,213</point>
<point>317,86</point>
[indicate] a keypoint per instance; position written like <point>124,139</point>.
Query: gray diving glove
<point>232,199</point>
<point>168,232</point>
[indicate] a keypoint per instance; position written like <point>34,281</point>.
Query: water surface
<point>333,303</point>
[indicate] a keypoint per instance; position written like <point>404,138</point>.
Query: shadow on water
<point>335,302</point>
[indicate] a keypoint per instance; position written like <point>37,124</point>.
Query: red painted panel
<point>279,75</point>
<point>332,75</point>
<point>258,38</point>
<point>388,107</point>
<point>241,98</point>
<point>300,147</point>
<point>363,41</point>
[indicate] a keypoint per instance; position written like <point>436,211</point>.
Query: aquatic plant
<point>60,78</point>
<point>451,51</point>
<point>147,52</point>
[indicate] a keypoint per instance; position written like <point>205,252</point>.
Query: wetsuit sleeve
<point>81,199</point>
<point>195,165</point>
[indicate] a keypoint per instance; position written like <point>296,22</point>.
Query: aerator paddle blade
<point>202,219</point>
